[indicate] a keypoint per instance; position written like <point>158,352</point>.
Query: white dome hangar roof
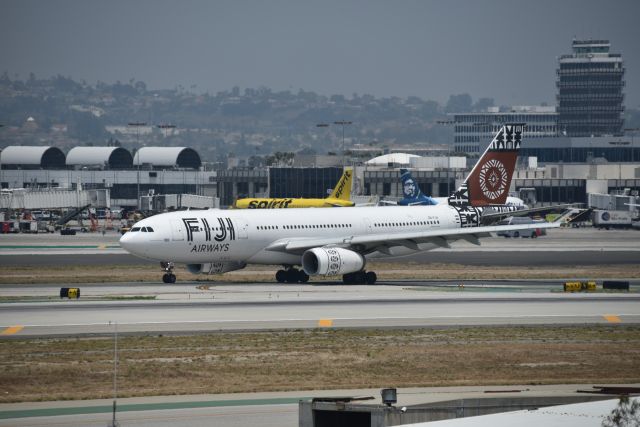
<point>114,157</point>
<point>181,157</point>
<point>395,158</point>
<point>32,156</point>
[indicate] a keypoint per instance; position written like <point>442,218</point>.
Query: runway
<point>272,307</point>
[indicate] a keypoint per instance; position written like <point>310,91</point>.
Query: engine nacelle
<point>215,267</point>
<point>331,261</point>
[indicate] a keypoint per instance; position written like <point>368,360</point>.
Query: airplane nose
<point>132,243</point>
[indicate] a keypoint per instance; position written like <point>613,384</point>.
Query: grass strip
<point>82,368</point>
<point>386,271</point>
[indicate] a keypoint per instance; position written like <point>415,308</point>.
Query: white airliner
<point>329,242</point>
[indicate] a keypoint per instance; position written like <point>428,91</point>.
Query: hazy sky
<point>503,49</point>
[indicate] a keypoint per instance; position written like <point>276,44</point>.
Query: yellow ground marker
<point>612,318</point>
<point>12,330</point>
<point>325,323</point>
<point>102,246</point>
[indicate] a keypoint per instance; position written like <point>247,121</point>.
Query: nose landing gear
<point>292,275</point>
<point>168,276</point>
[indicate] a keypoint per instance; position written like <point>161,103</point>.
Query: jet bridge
<point>53,199</point>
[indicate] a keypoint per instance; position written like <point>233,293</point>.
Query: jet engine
<point>331,261</point>
<point>215,267</point>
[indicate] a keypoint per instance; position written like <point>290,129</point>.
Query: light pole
<point>114,422</point>
<point>343,123</point>
<point>1,126</point>
<point>137,126</point>
<point>165,128</point>
<point>633,132</point>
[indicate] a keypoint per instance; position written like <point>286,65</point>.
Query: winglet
<point>342,191</point>
<point>490,179</point>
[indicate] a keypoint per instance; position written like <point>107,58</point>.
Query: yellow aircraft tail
<point>342,191</point>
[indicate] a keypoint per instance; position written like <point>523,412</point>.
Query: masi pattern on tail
<point>489,181</point>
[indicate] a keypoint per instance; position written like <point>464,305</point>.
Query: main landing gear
<point>360,278</point>
<point>292,275</point>
<point>168,276</point>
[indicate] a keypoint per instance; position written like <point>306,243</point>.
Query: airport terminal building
<point>162,170</point>
<point>547,177</point>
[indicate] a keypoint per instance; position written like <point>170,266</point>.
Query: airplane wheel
<point>172,278</point>
<point>292,276</point>
<point>348,279</point>
<point>303,277</point>
<point>516,234</point>
<point>165,278</point>
<point>281,276</point>
<point>359,278</point>
<point>371,278</point>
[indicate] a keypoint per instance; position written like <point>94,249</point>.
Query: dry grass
<point>385,270</point>
<point>56,369</point>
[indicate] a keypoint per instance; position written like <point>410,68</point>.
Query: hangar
<point>168,157</point>
<point>32,157</point>
<point>103,157</point>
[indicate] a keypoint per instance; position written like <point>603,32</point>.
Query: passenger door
<point>177,230</point>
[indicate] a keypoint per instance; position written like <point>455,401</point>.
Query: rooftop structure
<point>402,159</point>
<point>32,157</point>
<point>168,157</point>
<point>102,157</point>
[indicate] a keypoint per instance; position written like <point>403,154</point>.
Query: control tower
<point>590,82</point>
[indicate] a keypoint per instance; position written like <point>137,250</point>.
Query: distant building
<point>590,82</point>
<point>473,131</point>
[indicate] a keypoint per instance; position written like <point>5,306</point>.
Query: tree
<point>459,103</point>
<point>626,414</point>
<point>482,104</point>
<point>280,159</point>
<point>307,151</point>
<point>86,127</point>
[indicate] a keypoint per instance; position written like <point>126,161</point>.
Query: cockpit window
<point>150,230</point>
<point>143,229</point>
<point>135,229</point>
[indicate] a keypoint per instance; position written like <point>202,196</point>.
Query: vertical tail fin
<point>411,191</point>
<point>342,190</point>
<point>490,179</point>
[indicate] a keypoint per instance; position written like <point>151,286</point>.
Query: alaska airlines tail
<point>413,196</point>
<point>489,181</point>
<point>342,191</point>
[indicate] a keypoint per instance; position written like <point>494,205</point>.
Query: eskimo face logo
<point>409,188</point>
<point>493,179</point>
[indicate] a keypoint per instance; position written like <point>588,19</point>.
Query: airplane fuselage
<point>214,235</point>
<point>290,203</point>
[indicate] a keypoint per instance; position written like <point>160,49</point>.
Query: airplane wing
<point>369,243</point>
<point>337,205</point>
<point>489,217</point>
